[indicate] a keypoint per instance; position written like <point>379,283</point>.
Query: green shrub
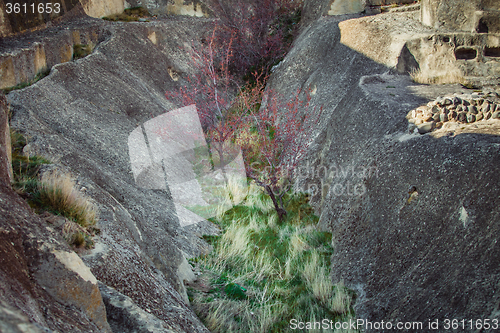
<point>25,168</point>
<point>235,291</point>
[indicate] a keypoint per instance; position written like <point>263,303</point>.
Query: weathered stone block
<point>462,15</point>
<point>66,278</point>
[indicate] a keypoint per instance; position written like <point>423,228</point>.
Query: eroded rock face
<point>6,175</point>
<point>415,218</point>
<point>82,115</point>
<point>21,59</point>
<point>14,20</point>
<point>439,52</point>
<point>23,18</point>
<point>464,15</point>
<point>314,9</point>
<point>44,286</point>
<point>124,316</point>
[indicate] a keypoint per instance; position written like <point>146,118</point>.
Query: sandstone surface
<point>314,9</point>
<point>481,16</point>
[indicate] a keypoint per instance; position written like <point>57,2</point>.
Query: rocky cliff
<point>43,283</point>
<point>81,116</point>
<point>415,218</point>
<point>413,211</point>
<point>15,19</point>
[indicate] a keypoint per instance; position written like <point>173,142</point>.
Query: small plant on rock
<point>54,192</point>
<point>81,50</point>
<point>57,191</point>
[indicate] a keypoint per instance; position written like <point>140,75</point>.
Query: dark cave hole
<point>465,54</point>
<point>492,52</point>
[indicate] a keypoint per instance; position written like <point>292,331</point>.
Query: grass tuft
<point>81,50</point>
<point>57,191</point>
<point>129,15</point>
<point>266,273</point>
<point>449,77</point>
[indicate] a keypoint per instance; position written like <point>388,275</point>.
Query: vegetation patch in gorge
<point>264,272</point>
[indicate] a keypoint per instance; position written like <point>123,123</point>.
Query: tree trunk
<point>280,210</point>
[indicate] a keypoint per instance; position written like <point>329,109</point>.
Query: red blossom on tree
<point>273,134</point>
<point>277,139</point>
<point>212,90</point>
<point>254,25</point>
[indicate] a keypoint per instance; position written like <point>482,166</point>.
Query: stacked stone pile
<point>460,108</point>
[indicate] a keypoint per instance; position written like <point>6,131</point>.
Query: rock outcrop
<point>420,39</point>
<point>415,218</point>
<point>18,17</point>
<point>481,16</point>
<point>44,285</point>
<point>314,9</point>
<point>81,116</point>
<point>22,59</point>
<point>125,316</point>
<point>22,18</point>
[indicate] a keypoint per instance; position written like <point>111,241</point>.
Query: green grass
<point>25,168</point>
<point>40,75</point>
<point>266,272</point>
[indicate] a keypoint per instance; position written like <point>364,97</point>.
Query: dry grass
<point>129,15</point>
<point>76,235</point>
<point>58,191</point>
<point>432,77</point>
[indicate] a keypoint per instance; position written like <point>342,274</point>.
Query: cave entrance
<point>492,52</point>
<point>465,53</point>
